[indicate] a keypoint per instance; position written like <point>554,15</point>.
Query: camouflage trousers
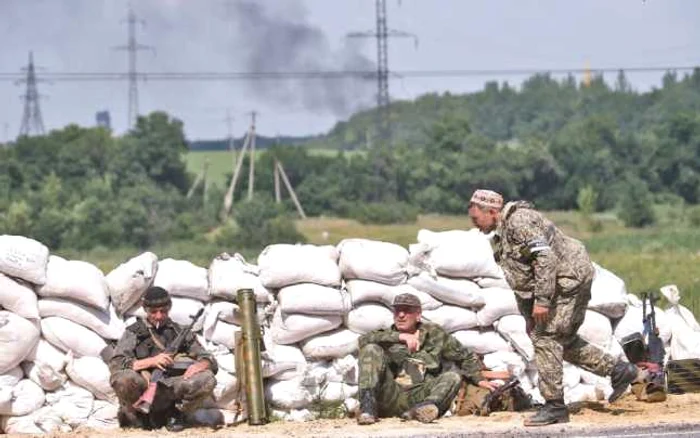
<point>556,341</point>
<point>394,399</point>
<point>129,385</point>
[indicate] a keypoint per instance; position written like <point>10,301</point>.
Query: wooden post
<point>291,191</point>
<point>228,198</point>
<point>251,172</point>
<point>278,194</point>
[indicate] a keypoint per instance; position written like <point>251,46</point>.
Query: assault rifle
<point>646,349</point>
<point>509,396</point>
<point>143,404</point>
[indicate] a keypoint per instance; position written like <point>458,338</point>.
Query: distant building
<point>103,119</point>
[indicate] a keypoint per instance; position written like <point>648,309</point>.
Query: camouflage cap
<point>406,299</point>
<point>487,198</point>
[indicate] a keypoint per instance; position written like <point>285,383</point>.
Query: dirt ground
<point>590,417</point>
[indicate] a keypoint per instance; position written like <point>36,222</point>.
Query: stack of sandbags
<point>685,338</point>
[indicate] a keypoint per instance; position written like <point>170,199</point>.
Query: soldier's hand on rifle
<point>412,341</point>
<point>491,386</point>
<point>195,368</point>
<point>503,375</point>
<point>540,314</point>
<point>162,361</point>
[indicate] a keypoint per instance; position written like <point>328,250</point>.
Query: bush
<point>384,213</point>
<point>636,209</point>
<point>261,222</point>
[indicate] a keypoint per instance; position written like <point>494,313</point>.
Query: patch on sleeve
<point>537,245</point>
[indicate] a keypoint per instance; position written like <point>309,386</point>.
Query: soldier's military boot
<point>623,374</point>
<point>554,411</point>
<point>425,412</point>
<point>368,407</point>
<point>176,422</point>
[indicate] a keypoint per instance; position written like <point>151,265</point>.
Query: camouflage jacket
<point>138,342</point>
<point>537,258</point>
<point>438,350</point>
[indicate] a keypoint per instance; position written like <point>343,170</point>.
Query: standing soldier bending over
<point>140,351</point>
<point>551,275</point>
<point>402,370</point>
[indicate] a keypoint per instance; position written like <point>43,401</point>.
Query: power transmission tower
<point>133,47</point>
<point>32,123</point>
<point>382,35</point>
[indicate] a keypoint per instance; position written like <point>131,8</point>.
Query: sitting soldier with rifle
<point>153,381</point>
<point>405,370</point>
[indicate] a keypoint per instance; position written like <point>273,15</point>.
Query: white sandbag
<point>337,391</point>
<point>279,359</point>
<point>284,264</point>
<point>482,342</point>
<point>45,353</point>
<point>572,375</point>
<point>18,336</point>
<point>222,333</point>
<point>69,336</point>
<point>314,299</point>
<point>457,291</point>
<point>581,393</point>
<point>513,329</point>
<point>596,330</point>
<point>18,298</point>
<point>373,260</point>
<point>103,416</point>
<point>42,421</point>
<point>505,361</point>
<point>608,293</point>
<point>180,312</point>
<point>452,318</point>
<point>290,394</point>
<point>27,397</point>
<point>336,344</point>
<point>343,369</point>
<point>633,322</point>
<point>182,278</point>
<point>228,274</point>
<point>685,339</point>
<point>11,377</point>
<point>129,281</point>
<point>363,291</point>
<point>72,403</point>
<point>292,328</point>
<point>225,390</point>
<point>456,253</point>
<point>106,324</point>
<point>23,258</point>
<point>43,375</point>
<point>673,296</point>
<point>92,374</point>
<point>499,303</point>
<point>368,317</point>
<point>489,282</point>
<point>223,310</point>
<point>75,280</point>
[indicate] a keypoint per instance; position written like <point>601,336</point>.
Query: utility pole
<point>382,35</point>
<point>133,47</point>
<point>229,125</point>
<point>251,168</point>
<point>32,123</point>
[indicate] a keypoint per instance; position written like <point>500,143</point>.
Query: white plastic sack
<point>225,390</point>
<point>92,374</point>
<point>290,394</point>
<point>103,416</point>
<point>23,258</point>
<point>343,369</point>
<point>27,397</point>
<point>75,280</point>
<point>129,281</point>
<point>18,298</point>
<point>228,274</point>
<point>488,282</point>
<point>284,264</point>
<point>180,312</point>
<point>105,324</point>
<point>223,310</point>
<point>314,299</point>
<point>596,330</point>
<point>513,329</point>
<point>69,336</point>
<point>452,318</point>
<point>572,375</point>
<point>42,421</point>
<point>18,336</point>
<point>673,296</point>
<point>373,260</point>
<point>685,340</point>
<point>292,328</point>
<point>72,403</point>
<point>363,291</point>
<point>337,391</point>
<point>581,393</point>
<point>368,317</point>
<point>457,291</point>
<point>505,361</point>
<point>43,375</point>
<point>182,279</point>
<point>11,377</point>
<point>482,342</point>
<point>331,345</point>
<point>221,333</point>
<point>499,303</point>
<point>46,353</point>
<point>608,293</point>
<point>279,359</point>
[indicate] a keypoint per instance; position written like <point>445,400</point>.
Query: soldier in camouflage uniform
<point>551,275</point>
<point>403,369</point>
<point>140,351</point>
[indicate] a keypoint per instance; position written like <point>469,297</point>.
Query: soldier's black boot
<point>553,411</point>
<point>130,418</point>
<point>623,374</point>
<point>176,422</point>
<point>368,407</point>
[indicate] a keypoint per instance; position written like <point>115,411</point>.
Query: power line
<point>32,122</point>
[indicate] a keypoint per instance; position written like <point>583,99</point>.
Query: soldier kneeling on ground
<point>141,350</point>
<point>404,369</point>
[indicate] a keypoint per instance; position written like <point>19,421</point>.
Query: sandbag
<point>513,329</point>
<point>596,330</point>
<point>292,328</point>
<point>182,279</point>
<point>290,394</point>
<point>225,390</point>
<point>23,258</point>
<point>92,374</point>
<point>581,393</point>
<point>129,281</point>
<point>363,291</point>
<point>69,336</point>
<point>221,333</point>
<point>223,310</point>
<point>11,377</point>
<point>18,336</point>
<point>608,293</point>
<point>46,353</point>
<point>279,359</point>
<point>451,318</point>
<point>103,416</point>
<point>44,375</point>
<point>457,291</point>
<point>572,375</point>
<point>336,344</point>
<point>505,361</point>
<point>27,397</point>
<point>180,312</point>
<point>314,299</point>
<point>373,260</point>
<point>105,324</point>
<point>499,303</point>
<point>18,298</point>
<point>489,282</point>
<point>42,421</point>
<point>75,280</point>
<point>228,274</point>
<point>369,317</point>
<point>685,339</point>
<point>633,322</point>
<point>284,264</point>
<point>337,391</point>
<point>482,342</point>
<point>72,403</point>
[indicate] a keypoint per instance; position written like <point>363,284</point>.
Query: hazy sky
<point>303,35</point>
